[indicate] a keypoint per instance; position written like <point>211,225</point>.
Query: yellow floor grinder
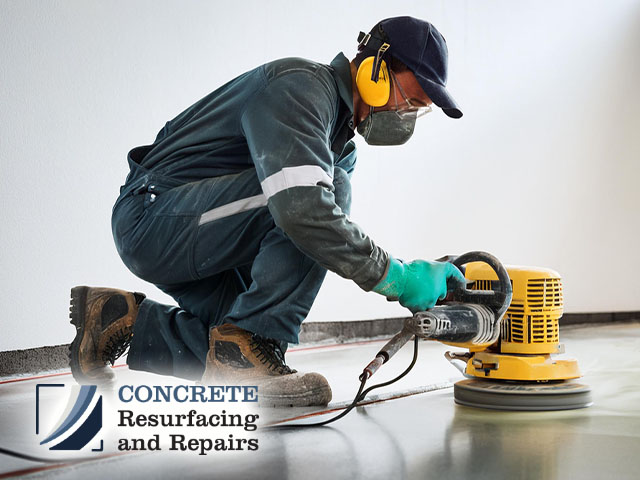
<point>507,320</point>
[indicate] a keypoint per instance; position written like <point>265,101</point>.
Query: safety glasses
<point>411,110</point>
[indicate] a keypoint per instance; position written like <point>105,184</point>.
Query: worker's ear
<point>375,94</point>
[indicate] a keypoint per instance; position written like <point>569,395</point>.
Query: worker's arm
<point>287,127</point>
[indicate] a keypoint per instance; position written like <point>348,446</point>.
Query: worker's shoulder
<point>291,65</point>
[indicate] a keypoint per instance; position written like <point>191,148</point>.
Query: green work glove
<point>418,285</point>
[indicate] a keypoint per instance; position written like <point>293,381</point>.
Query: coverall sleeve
<point>287,126</point>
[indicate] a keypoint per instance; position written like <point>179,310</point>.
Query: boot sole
<point>77,316</point>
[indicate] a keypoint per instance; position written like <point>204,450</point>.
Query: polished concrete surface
<point>415,430</point>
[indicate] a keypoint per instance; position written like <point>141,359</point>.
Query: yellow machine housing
<point>529,330</point>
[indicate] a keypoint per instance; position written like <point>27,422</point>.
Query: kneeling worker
<point>241,205</point>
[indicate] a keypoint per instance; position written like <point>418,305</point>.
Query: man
<point>241,204</point>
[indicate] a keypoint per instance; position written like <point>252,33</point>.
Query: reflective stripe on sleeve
<point>288,177</point>
<point>232,208</point>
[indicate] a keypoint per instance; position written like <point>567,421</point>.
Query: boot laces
<point>268,351</point>
<point>117,345</point>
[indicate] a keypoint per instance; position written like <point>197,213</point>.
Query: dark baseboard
<point>603,317</point>
<point>33,360</point>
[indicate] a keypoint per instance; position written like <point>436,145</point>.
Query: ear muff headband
<point>375,94</point>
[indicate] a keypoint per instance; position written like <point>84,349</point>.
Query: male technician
<point>241,205</point>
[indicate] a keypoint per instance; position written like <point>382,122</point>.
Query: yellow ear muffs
<point>375,94</point>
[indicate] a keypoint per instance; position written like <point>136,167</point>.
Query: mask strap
<point>395,95</point>
<point>370,126</point>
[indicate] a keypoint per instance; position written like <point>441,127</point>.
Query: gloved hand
<point>418,285</point>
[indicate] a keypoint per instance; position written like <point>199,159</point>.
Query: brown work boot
<point>104,319</point>
<point>237,356</point>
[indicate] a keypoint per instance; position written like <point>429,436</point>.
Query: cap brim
<point>439,95</point>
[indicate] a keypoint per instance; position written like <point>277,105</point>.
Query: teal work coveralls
<point>238,209</point>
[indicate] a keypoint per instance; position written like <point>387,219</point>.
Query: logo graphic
<point>74,429</point>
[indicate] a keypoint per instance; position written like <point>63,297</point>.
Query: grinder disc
<point>563,395</point>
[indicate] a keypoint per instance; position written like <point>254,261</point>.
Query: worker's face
<point>406,93</point>
<point>393,123</point>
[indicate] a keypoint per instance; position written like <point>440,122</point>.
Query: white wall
<point>542,170</point>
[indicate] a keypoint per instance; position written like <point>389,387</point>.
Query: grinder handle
<point>498,299</point>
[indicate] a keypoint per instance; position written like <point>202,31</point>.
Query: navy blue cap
<point>423,49</point>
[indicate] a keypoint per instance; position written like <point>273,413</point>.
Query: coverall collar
<point>342,75</point>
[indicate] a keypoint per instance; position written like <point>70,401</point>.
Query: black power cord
<point>32,458</point>
<point>361,395</point>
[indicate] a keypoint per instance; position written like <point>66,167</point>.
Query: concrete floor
<point>407,435</point>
